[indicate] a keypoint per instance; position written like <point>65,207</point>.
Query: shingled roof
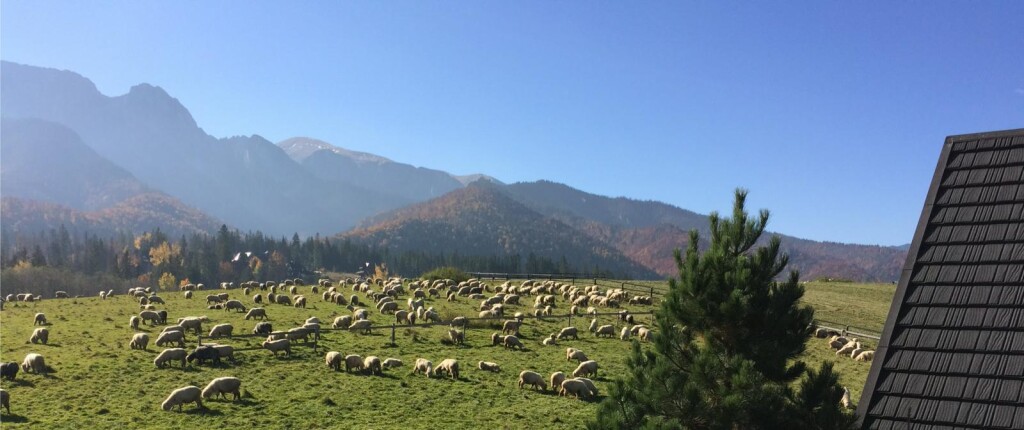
<point>952,351</point>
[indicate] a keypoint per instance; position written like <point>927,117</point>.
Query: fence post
<point>570,318</point>
<point>199,339</point>
<point>392,334</point>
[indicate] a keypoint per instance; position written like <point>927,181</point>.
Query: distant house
<point>952,351</point>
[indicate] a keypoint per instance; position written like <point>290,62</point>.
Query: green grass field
<point>100,383</point>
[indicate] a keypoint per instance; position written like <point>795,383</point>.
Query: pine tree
<point>725,344</point>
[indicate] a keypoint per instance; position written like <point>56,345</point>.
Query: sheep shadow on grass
<point>13,418</point>
<point>203,411</point>
<point>22,383</point>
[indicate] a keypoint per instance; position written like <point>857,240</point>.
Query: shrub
<point>446,272</point>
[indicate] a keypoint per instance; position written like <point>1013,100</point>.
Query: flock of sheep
<point>844,347</point>
<point>385,296</point>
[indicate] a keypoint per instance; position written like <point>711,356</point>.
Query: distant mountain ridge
<point>117,156</point>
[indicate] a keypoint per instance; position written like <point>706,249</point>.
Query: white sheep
<point>845,349</point>
<point>134,322</point>
<point>5,400</point>
<point>372,364</point>
<point>221,330</point>
<point>865,356</point>
<point>170,354</point>
<point>856,352</point>
<point>575,354</point>
<point>489,366</point>
<point>278,345</point>
<point>188,294</point>
<point>449,366</point>
<point>223,385</point>
<point>256,312</point>
<point>846,400</point>
<point>556,379</point>
<point>567,332</point>
<point>183,395</point>
<point>575,387</point>
<point>191,323</point>
<point>40,335</point>
<point>363,325</point>
<point>551,340</point>
<point>511,327</point>
<point>624,335</point>
<point>527,377</point>
<point>139,341</point>
<point>593,325</point>
<point>225,351</point>
<point>590,386</point>
<point>353,361</point>
<point>644,334</point>
<point>172,328</point>
<point>605,330</point>
<point>170,337</point>
<point>156,299</point>
<point>333,360</point>
<point>513,342</point>
<point>391,362</point>
<point>40,319</point>
<point>34,363</point>
<point>342,322</point>
<point>423,365</point>
<point>586,368</point>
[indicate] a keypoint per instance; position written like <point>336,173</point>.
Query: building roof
<point>952,351</point>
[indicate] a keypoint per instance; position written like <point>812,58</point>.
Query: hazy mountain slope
<point>407,183</point>
<point>140,213</point>
<point>481,220</point>
<point>247,181</point>
<point>46,161</point>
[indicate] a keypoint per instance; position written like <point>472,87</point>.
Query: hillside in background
<point>481,220</point>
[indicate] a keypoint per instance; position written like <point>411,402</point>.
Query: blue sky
<point>832,114</point>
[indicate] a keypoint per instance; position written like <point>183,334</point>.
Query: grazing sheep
<point>156,299</point>
<point>263,328</point>
<point>172,328</point>
<point>513,342</point>
<point>5,400</point>
<point>449,366</point>
<point>134,322</point>
<point>593,325</point>
<point>223,385</point>
<point>277,335</point>
<point>188,294</point>
<point>845,400</point>
<point>423,365</point>
<point>353,361</point>
<point>170,337</point>
<point>510,326</point>
<point>40,319</point>
<point>567,332</point>
<point>170,354</point>
<point>527,377</point>
<point>865,356</point>
<point>820,333</point>
<point>213,298</point>
<point>497,339</point>
<point>278,345</point>
<point>139,341</point>
<point>363,325</point>
<point>9,370</point>
<point>40,335</point>
<point>605,330</point>
<point>300,301</point>
<point>644,334</point>
<point>373,365</point>
<point>256,312</point>
<point>333,360</point>
<point>342,322</point>
<point>551,340</point>
<point>225,351</point>
<point>636,328</point>
<point>575,354</point>
<point>234,304</point>
<point>556,379</point>
<point>283,299</point>
<point>183,395</point>
<point>193,323</point>
<point>590,386</point>
<point>456,337</point>
<point>391,362</point>
<point>401,317</point>
<point>360,314</point>
<point>489,366</point>
<point>575,387</point>
<point>850,346</point>
<point>258,299</point>
<point>299,333</point>
<point>220,330</point>
<point>624,335</point>
<point>586,368</point>
<point>203,353</point>
<point>856,352</point>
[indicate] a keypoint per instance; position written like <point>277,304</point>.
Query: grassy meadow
<point>99,382</point>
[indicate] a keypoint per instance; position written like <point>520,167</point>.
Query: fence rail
<point>849,329</point>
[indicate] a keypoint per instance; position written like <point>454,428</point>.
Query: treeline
<point>85,264</point>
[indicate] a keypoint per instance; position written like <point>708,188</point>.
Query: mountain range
<point>73,156</point>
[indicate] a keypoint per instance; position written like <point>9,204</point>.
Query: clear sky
<point>832,114</point>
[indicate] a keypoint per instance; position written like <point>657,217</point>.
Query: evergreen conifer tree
<point>725,345</point>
